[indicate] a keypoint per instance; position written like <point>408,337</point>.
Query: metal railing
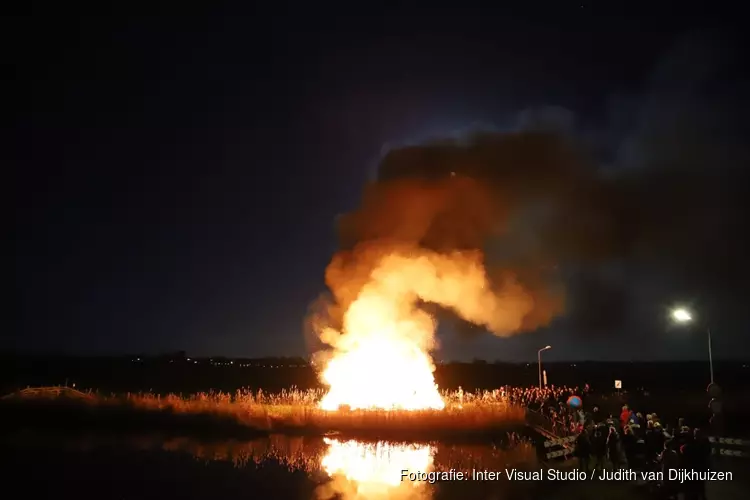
<point>552,426</point>
<point>566,445</point>
<point>726,447</point>
<point>730,447</point>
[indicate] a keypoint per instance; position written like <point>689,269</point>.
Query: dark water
<point>54,465</point>
<point>105,466</point>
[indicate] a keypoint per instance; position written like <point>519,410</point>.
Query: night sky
<point>179,179</point>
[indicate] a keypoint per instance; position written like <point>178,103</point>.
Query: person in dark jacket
<point>629,442</point>
<point>613,448</point>
<point>599,446</point>
<point>596,415</point>
<point>651,451</point>
<point>659,436</point>
<point>670,459</point>
<point>583,450</point>
<point>703,449</point>
<point>683,436</point>
<point>697,457</point>
<point>639,418</point>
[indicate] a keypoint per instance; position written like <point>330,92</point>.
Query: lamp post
<point>539,358</point>
<point>683,316</point>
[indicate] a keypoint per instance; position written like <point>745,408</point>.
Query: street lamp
<point>539,358</point>
<point>683,316</point>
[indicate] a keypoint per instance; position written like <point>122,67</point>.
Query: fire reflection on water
<point>352,470</point>
<point>373,470</point>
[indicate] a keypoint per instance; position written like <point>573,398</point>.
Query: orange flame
<point>382,359</point>
<point>373,471</point>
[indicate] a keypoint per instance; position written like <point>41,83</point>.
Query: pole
<point>539,356</point>
<point>710,355</point>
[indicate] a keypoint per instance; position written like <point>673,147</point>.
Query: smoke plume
<point>435,209</point>
<point>547,228</point>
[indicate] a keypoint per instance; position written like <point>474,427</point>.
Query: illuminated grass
<point>291,411</point>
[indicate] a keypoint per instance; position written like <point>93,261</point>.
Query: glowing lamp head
<point>681,315</point>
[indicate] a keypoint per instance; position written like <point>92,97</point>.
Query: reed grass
<point>291,411</point>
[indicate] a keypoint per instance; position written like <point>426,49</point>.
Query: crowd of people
<point>644,444</point>
<point>552,403</point>
<point>630,439</point>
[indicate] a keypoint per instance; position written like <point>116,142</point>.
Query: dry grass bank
<point>246,413</point>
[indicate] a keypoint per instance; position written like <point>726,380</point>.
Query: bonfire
<point>381,359</point>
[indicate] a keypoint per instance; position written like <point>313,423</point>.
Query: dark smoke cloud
<point>679,155</point>
<point>574,229</point>
<point>529,200</point>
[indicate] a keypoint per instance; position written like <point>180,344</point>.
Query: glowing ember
<point>382,357</point>
<point>374,470</point>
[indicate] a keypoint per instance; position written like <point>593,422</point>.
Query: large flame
<point>373,471</point>
<point>382,359</point>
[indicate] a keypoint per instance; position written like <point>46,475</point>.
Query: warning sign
<point>618,384</point>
